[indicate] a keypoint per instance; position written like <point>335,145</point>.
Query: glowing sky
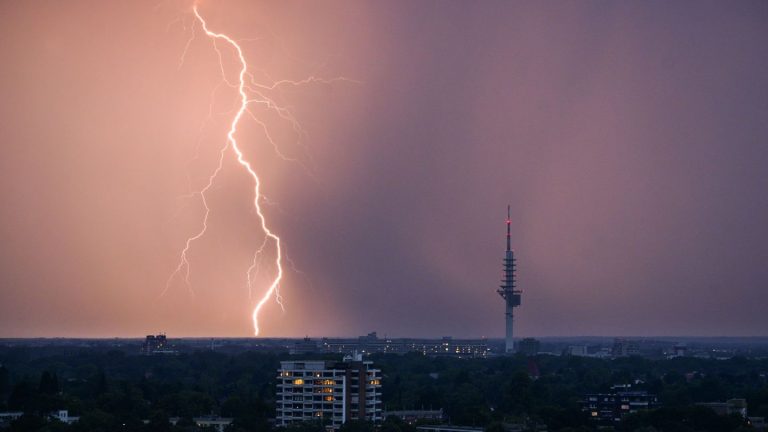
<point>630,138</point>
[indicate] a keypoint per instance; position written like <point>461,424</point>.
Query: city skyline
<point>629,140</point>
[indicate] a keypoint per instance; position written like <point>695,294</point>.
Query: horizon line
<point>500,338</point>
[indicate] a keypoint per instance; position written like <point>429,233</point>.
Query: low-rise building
<point>63,416</point>
<point>7,417</point>
<point>216,423</point>
<point>611,407</point>
<point>412,416</point>
<point>731,406</point>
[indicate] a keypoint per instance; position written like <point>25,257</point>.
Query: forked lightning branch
<point>249,92</point>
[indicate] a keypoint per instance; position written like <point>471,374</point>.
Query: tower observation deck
<point>507,289</point>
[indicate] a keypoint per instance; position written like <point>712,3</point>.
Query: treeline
<point>116,391</point>
<point>481,392</point>
<point>113,390</point>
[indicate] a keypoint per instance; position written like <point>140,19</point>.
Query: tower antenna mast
<point>507,290</point>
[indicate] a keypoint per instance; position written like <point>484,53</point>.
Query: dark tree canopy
<point>117,391</point>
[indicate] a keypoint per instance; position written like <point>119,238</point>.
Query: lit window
<point>298,381</point>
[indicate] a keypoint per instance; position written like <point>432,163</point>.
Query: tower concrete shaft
<point>507,289</point>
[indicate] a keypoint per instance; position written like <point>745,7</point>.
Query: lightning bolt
<point>250,92</point>
<point>231,143</point>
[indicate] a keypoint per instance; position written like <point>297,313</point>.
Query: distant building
<point>609,408</point>
<point>329,392</point>
<point>367,344</point>
<point>371,343</point>
<point>529,346</point>
<point>61,415</point>
<point>576,350</point>
<point>303,347</point>
<point>625,347</point>
<point>451,347</point>
<point>411,416</point>
<point>679,350</point>
<point>156,344</point>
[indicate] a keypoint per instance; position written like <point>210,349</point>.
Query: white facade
<point>329,392</point>
<point>63,416</point>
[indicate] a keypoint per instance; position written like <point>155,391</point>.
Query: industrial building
<point>328,392</point>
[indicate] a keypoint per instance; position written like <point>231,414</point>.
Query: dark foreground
<point>113,390</point>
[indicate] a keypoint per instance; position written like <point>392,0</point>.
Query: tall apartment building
<point>328,391</point>
<point>156,344</point>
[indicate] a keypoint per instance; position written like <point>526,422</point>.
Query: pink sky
<point>629,138</point>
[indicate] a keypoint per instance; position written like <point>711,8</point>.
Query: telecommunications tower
<point>507,290</point>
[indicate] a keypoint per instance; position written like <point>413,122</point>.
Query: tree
<point>396,424</point>
<point>356,426</point>
<point>22,397</point>
<point>517,397</point>
<point>158,422</point>
<point>495,427</point>
<point>100,383</point>
<point>315,426</point>
<point>49,383</point>
<point>96,421</point>
<point>28,423</point>
<point>5,381</point>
